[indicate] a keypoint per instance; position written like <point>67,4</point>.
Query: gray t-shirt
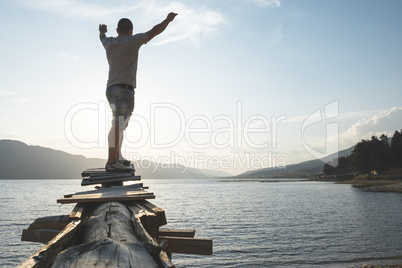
<point>122,55</point>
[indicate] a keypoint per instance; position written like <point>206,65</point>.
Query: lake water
<point>253,224</point>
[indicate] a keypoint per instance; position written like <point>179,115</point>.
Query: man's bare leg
<point>121,138</point>
<point>114,138</point>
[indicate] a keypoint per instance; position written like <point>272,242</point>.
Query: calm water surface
<point>253,224</point>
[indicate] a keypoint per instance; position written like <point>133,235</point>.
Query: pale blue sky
<point>218,60</point>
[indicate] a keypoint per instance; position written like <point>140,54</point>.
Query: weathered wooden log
<point>113,237</point>
<point>141,231</point>
<point>46,255</point>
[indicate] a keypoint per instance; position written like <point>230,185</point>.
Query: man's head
<point>125,27</point>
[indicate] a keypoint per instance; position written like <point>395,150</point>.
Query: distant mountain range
<point>300,170</point>
<point>22,161</point>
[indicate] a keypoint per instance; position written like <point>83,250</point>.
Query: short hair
<point>124,25</point>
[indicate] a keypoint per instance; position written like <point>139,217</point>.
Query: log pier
<point>113,225</point>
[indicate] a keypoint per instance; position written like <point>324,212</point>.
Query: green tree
<point>361,157</point>
<point>396,149</point>
<point>383,154</point>
<point>328,169</point>
<point>341,165</point>
<point>371,155</point>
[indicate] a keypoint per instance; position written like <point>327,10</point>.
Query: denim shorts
<point>121,100</point>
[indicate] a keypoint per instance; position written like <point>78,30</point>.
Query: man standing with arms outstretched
<point>122,56</point>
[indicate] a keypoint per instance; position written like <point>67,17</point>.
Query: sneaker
<point>125,162</point>
<point>118,167</point>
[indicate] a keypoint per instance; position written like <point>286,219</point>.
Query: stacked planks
<point>102,176</point>
<point>112,188</point>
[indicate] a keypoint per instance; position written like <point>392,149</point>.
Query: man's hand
<point>102,28</point>
<point>171,16</point>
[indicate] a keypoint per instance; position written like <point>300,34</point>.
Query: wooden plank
<point>108,199</point>
<point>39,235</point>
<point>95,169</point>
<point>50,222</point>
<point>107,194</point>
<point>98,169</point>
<point>160,213</point>
<point>176,232</point>
<point>104,172</point>
<point>107,176</point>
<point>90,198</point>
<point>109,180</point>
<point>136,186</point>
<point>101,190</point>
<point>77,212</point>
<point>187,245</point>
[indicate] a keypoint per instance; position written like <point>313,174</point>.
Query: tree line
<point>375,154</point>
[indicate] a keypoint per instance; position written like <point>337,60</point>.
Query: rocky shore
<point>385,183</point>
<point>380,186</point>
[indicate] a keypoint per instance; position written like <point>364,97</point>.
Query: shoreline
<point>376,185</point>
<point>366,184</point>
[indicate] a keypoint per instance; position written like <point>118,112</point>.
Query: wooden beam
<point>102,171</point>
<point>86,182</point>
<point>147,218</point>
<point>176,232</point>
<point>135,186</point>
<point>144,236</point>
<point>187,245</point>
<point>77,212</point>
<point>160,213</point>
<point>39,235</point>
<point>100,199</point>
<point>50,222</point>
<point>110,175</point>
<point>48,252</point>
<point>116,193</point>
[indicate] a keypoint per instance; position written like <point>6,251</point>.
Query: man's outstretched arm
<point>159,28</point>
<point>102,31</point>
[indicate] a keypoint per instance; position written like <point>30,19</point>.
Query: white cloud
<point>318,138</point>
<point>385,122</point>
<point>266,3</point>
<point>192,24</point>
